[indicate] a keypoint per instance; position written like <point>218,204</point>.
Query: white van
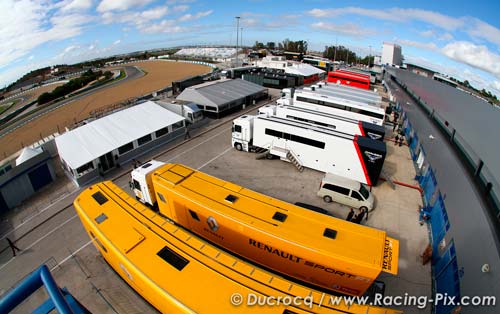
<point>346,191</point>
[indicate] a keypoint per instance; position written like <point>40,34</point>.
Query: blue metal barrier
<point>439,224</point>
<point>446,278</point>
<point>31,283</point>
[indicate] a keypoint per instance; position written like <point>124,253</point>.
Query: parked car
<point>345,191</point>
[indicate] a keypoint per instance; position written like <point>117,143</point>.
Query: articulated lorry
<point>328,103</point>
<point>309,247</point>
<point>335,122</point>
<point>309,145</point>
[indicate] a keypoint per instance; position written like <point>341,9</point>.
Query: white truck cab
<point>242,133</point>
<point>142,183</point>
<point>286,97</point>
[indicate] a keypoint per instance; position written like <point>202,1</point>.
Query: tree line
<point>299,46</point>
<point>72,86</point>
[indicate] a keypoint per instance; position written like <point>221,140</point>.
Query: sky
<point>457,38</point>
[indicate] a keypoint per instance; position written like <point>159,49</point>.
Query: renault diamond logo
<point>374,136</point>
<point>212,223</point>
<point>372,157</point>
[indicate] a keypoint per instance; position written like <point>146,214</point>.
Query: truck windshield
<point>364,192</point>
<point>137,185</point>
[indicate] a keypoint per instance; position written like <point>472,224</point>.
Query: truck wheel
<point>327,199</point>
<point>238,147</point>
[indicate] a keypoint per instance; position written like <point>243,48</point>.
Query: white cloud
<point>349,29</point>
<point>75,5</point>
<point>154,13</point>
<point>428,33</point>
<point>70,48</point>
<point>425,46</point>
<point>495,85</point>
<point>180,8</point>
<point>135,18</point>
<point>116,42</point>
<point>482,30</point>
<point>446,37</point>
<point>479,57</point>
<point>31,58</point>
<point>25,25</point>
<point>180,1</point>
<point>165,26</point>
<point>394,14</point>
<point>120,5</point>
<point>191,17</point>
<point>92,47</point>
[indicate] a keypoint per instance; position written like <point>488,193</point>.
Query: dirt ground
<point>29,96</point>
<point>159,75</point>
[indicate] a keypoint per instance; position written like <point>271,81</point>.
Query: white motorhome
<point>335,122</point>
<point>142,183</point>
<point>312,146</point>
<point>334,105</point>
<point>189,111</point>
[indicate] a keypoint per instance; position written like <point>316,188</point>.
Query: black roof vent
<point>146,165</point>
<point>279,216</point>
<point>330,233</point>
<point>231,198</point>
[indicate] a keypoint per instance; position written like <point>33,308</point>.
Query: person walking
<point>186,133</point>
<point>13,247</point>
<point>359,217</point>
<point>396,140</point>
<point>350,215</point>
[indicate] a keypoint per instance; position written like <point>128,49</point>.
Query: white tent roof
<point>86,143</point>
<point>27,154</point>
<point>303,69</point>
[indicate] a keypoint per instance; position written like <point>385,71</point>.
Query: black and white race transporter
<point>335,122</point>
<point>325,102</point>
<point>307,145</point>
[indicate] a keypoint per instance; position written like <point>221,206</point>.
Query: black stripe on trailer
<point>308,126</point>
<point>371,155</point>
<point>373,131</point>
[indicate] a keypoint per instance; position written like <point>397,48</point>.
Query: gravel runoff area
<point>159,74</point>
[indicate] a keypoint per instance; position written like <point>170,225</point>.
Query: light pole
<point>237,37</point>
<point>370,57</point>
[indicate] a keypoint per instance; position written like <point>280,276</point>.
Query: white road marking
<point>40,212</point>
<point>71,255</point>
<point>190,149</point>
<point>40,239</point>
<point>215,158</point>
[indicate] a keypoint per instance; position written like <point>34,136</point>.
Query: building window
<point>177,125</point>
<point>88,166</point>
<point>161,132</point>
<point>143,140</point>
<point>210,108</point>
<point>125,148</point>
